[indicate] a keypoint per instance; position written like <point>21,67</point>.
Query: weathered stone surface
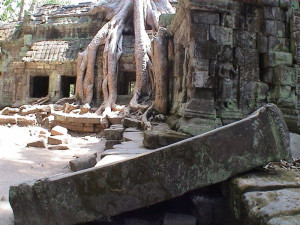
<point>59,147</point>
<point>26,121</point>
<point>212,208</point>
<point>262,206</point>
<point>110,143</point>
<point>162,136</point>
<point>135,221</point>
<point>114,133</point>
<point>285,220</point>
<point>9,111</point>
<point>59,130</point>
<point>179,219</point>
<point>7,120</point>
<point>83,163</point>
<point>154,177</point>
<point>57,140</point>
<point>130,122</point>
<point>37,144</point>
<point>295,145</point>
<point>257,197</point>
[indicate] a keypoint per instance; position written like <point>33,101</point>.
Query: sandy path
<point>19,163</point>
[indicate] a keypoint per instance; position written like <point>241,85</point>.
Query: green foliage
<point>10,9</point>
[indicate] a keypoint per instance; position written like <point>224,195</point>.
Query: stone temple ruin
<point>225,60</point>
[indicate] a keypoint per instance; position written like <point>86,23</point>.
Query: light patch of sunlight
<point>13,155</point>
<point>6,214</point>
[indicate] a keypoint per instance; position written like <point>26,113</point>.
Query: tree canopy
<point>11,10</point>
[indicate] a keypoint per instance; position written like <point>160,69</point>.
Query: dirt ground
<point>19,163</point>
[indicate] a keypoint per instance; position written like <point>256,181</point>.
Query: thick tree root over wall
<point>145,15</point>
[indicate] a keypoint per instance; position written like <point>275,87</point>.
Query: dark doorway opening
<point>126,83</point>
<point>39,86</point>
<point>67,86</point>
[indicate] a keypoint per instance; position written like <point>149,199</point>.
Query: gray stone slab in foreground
<point>154,177</point>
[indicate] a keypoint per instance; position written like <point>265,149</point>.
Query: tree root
<point>145,14</point>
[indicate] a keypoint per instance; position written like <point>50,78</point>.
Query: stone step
<point>258,198</point>
<point>169,172</point>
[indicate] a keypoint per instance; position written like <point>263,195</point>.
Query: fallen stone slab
<point>59,130</point>
<point>162,136</point>
<point>163,174</point>
<point>83,163</point>
<point>37,144</point>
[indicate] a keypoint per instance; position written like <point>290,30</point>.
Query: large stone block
<point>154,177</point>
<point>244,39</point>
<point>206,18</point>
<point>284,75</point>
<point>273,59</point>
<point>278,44</point>
<point>274,28</point>
<point>274,13</point>
<point>222,35</point>
<point>259,197</point>
<point>283,96</point>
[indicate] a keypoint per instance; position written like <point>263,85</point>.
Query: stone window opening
<point>67,86</point>
<point>39,86</point>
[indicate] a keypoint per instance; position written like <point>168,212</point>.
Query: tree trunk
<point>160,62</point>
<point>146,13</point>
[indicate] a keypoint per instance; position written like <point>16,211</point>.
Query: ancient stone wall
<point>45,44</point>
<point>231,57</point>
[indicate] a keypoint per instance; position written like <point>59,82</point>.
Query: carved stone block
<point>284,75</point>
<point>274,28</point>
<point>274,13</point>
<point>278,44</point>
<point>283,96</point>
<point>206,18</point>
<point>262,43</point>
<point>273,59</point>
<point>221,35</point>
<point>244,39</point>
<point>202,79</point>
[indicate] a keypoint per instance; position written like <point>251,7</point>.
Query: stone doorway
<point>126,83</point>
<point>67,86</point>
<point>39,86</point>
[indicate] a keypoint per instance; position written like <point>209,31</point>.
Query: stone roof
<point>54,51</point>
<point>65,10</point>
<point>7,30</point>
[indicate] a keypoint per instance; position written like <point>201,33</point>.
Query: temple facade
<point>226,59</point>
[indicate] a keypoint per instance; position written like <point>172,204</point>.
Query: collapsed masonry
<point>154,177</point>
